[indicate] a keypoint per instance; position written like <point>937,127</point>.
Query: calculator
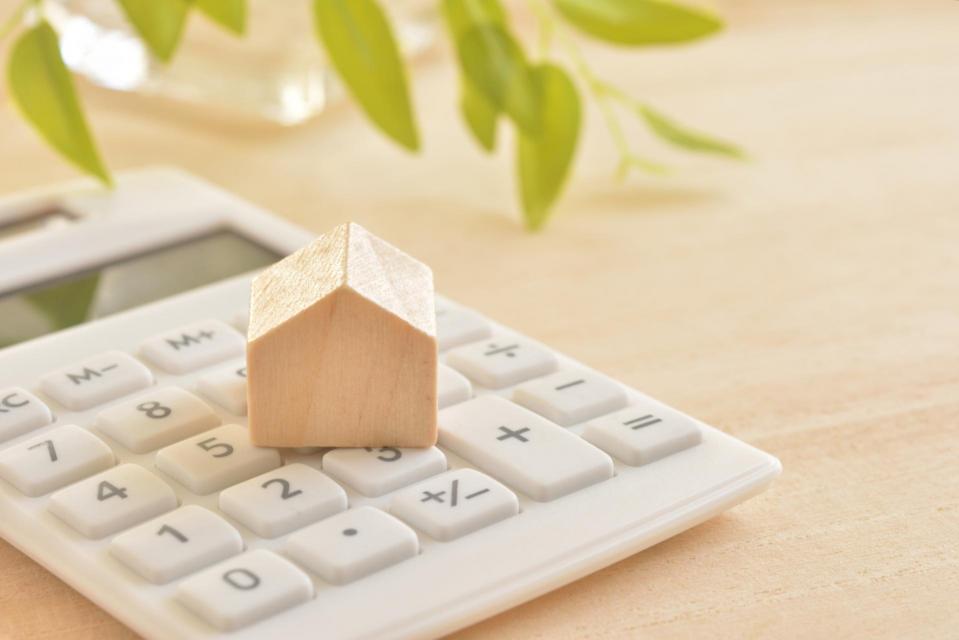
<point>126,468</point>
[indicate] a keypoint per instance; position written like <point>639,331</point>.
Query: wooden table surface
<point>806,302</point>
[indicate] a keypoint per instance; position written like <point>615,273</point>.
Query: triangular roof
<point>348,256</point>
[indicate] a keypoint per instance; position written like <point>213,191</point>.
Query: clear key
<point>96,380</point>
<point>502,362</point>
<point>455,503</point>
<point>56,458</point>
<point>21,411</point>
<point>541,459</point>
<point>215,459</point>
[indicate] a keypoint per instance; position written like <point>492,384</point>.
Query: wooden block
<point>342,347</point>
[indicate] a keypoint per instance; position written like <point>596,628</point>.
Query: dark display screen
<point>78,298</point>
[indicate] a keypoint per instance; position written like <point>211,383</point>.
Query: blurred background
<point>806,301</point>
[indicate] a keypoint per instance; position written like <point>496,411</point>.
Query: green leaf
<point>43,90</point>
<point>360,44</point>
<point>480,115</point>
<point>639,22</point>
<point>494,63</point>
<point>674,133</point>
<point>544,159</point>
<point>227,13</point>
<point>159,22</point>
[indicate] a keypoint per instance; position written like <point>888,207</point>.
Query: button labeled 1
<point>455,503</point>
<point>21,411</point>
<point>175,544</point>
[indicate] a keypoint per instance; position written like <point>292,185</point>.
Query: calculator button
<point>525,451</point>
<point>456,326</point>
<point>175,544</point>
<point>452,387</point>
<point>56,458</point>
<point>216,459</point>
<point>375,471</point>
<point>245,589</point>
<point>96,380</point>
<point>242,321</point>
<point>21,411</point>
<point>113,500</point>
<point>570,397</point>
<point>502,362</point>
<point>194,346</point>
<point>156,419</point>
<point>639,435</point>
<point>353,544</point>
<point>279,501</point>
<point>226,387</point>
<point>454,504</point>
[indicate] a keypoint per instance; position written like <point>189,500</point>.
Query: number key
<point>375,471</point>
<point>55,459</point>
<point>156,419</point>
<point>177,543</point>
<point>215,459</point>
<point>282,500</point>
<point>112,500</point>
<point>244,589</point>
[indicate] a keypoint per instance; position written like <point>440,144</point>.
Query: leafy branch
<point>498,81</point>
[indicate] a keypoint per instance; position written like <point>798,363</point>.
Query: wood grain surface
<point>806,302</point>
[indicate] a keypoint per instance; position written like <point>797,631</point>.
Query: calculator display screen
<point>77,298</point>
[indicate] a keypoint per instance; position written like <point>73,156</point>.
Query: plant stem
<point>602,92</point>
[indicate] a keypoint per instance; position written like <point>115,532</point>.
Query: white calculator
<point>126,470</point>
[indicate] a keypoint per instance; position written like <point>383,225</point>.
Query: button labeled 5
<point>215,459</point>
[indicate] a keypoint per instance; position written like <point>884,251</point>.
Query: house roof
<point>347,256</point>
